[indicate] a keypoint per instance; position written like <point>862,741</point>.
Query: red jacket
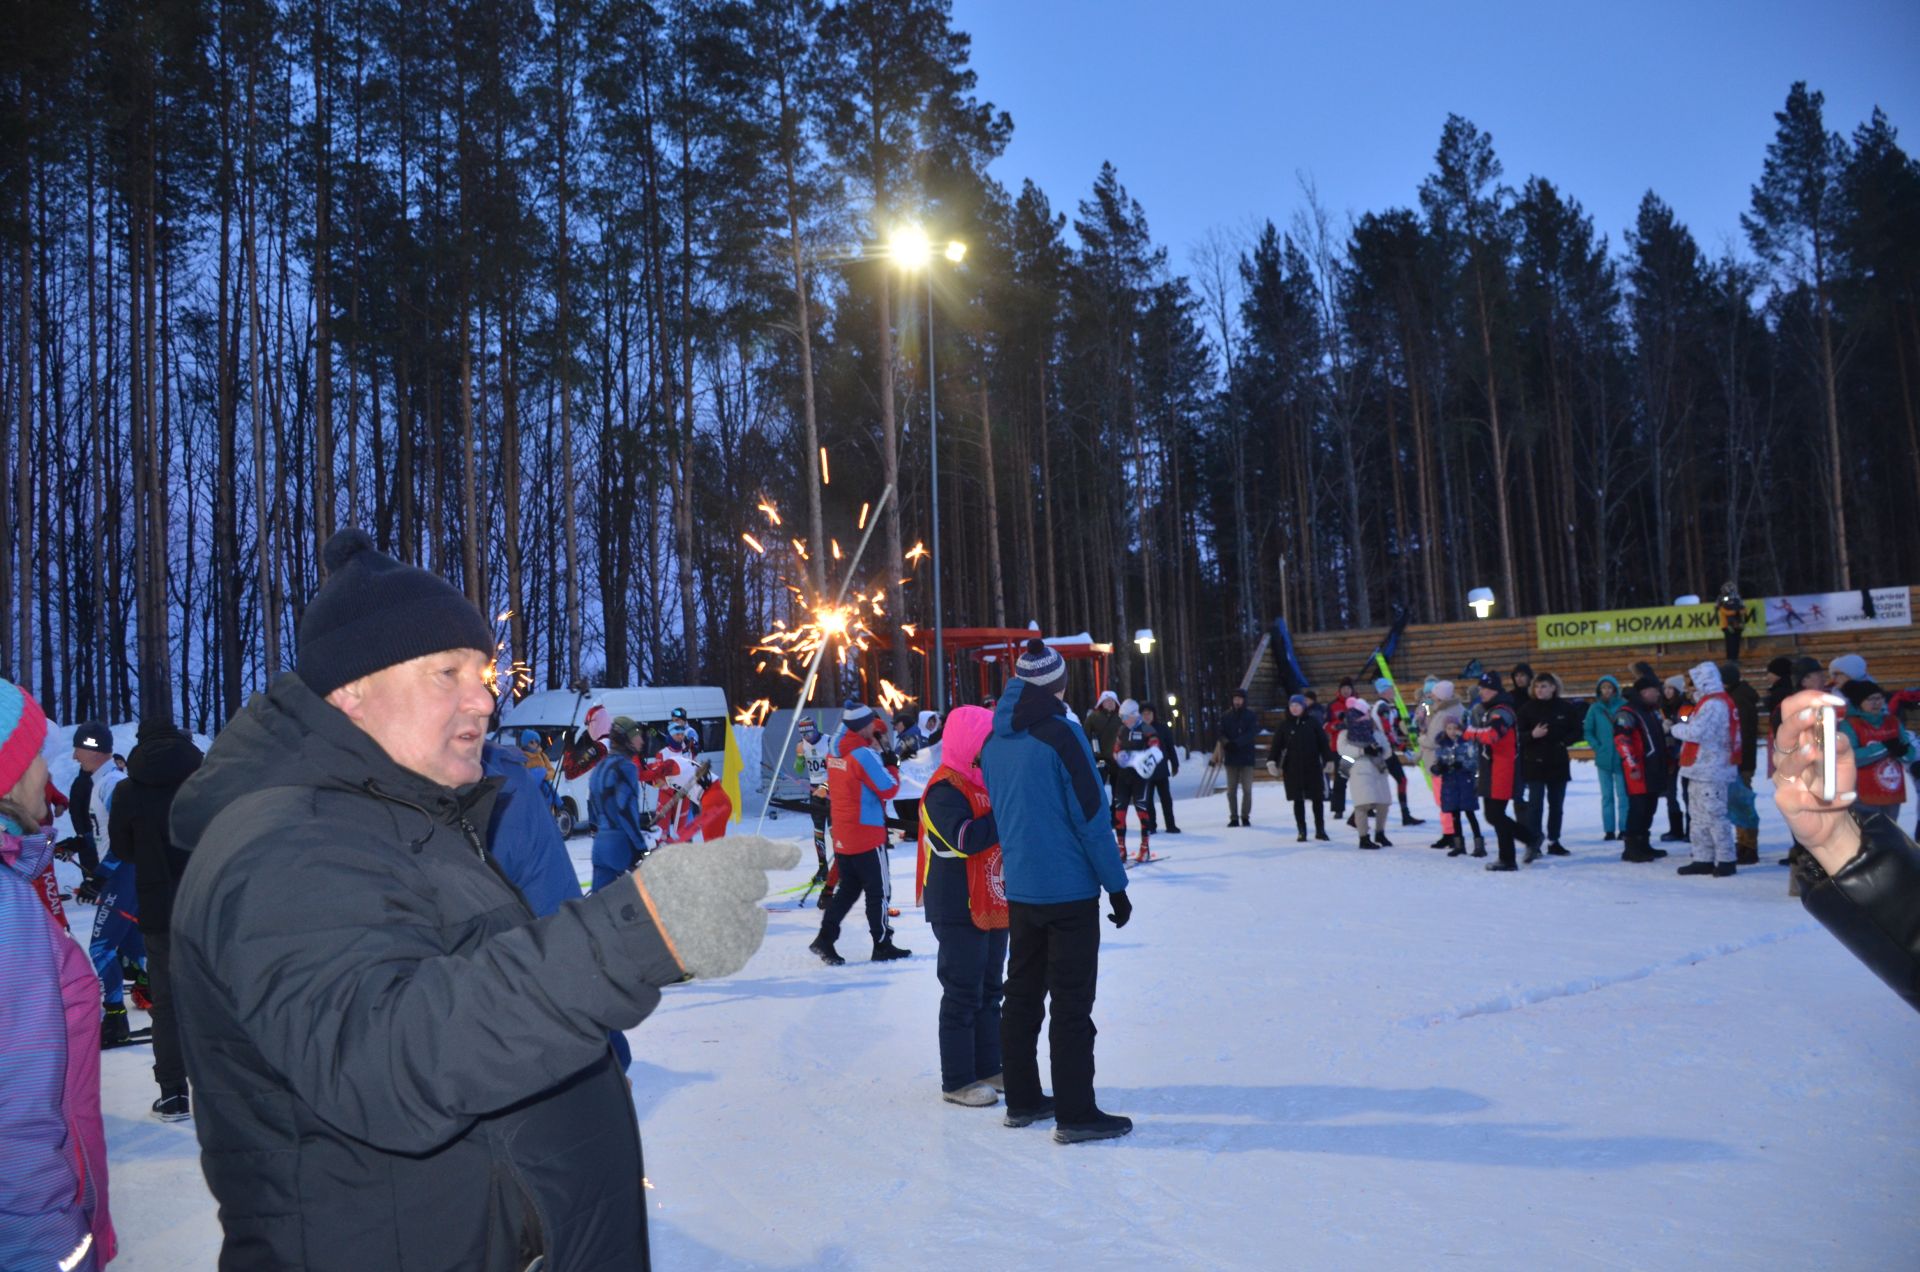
<point>1337,718</point>
<point>1881,778</point>
<point>1499,739</point>
<point>859,786</point>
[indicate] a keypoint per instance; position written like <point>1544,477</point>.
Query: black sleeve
<point>385,1035</point>
<point>952,817</point>
<point>1873,905</point>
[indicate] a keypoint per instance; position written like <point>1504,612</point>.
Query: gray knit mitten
<point>707,898</point>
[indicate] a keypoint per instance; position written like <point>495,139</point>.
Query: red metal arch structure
<point>990,651</point>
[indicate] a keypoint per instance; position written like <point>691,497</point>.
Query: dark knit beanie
<point>1858,691</point>
<point>1040,666</point>
<point>1490,680</point>
<point>374,613</point>
<point>93,736</point>
<point>1647,682</point>
<point>1781,666</point>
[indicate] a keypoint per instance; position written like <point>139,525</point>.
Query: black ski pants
<point>169,1069</point>
<point>1505,828</point>
<point>860,876</point>
<point>1053,952</point>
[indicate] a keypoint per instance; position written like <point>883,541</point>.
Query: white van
<point>559,716</point>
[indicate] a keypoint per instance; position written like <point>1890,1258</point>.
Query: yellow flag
<point>730,774</point>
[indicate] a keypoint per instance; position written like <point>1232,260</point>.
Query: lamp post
<point>912,250</point>
<point>1143,641</point>
<point>1480,601</point>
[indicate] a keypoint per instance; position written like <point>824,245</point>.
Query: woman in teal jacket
<point>1599,733</point>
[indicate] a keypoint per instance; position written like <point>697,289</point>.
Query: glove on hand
<point>707,898</point>
<point>88,892</point>
<point>1273,770</point>
<point>1122,909</point>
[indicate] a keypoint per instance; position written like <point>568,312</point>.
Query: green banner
<point>1598,629</point>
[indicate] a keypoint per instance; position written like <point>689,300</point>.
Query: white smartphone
<point>1829,760</point>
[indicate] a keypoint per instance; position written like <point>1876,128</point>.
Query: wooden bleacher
<point>1444,649</point>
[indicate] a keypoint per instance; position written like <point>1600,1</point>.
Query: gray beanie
<point>1041,667</point>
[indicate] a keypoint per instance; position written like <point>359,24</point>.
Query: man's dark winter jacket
<point>1873,904</point>
<point>162,758</point>
<point>1300,749</point>
<point>1746,704</point>
<point>1102,727</point>
<point>1238,730</point>
<point>1545,759</point>
<point>394,1064</point>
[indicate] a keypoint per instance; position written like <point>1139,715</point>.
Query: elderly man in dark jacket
<point>1239,734</point>
<point>162,758</point>
<point>395,1064</point>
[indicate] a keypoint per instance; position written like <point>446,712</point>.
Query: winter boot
<point>974,1095</point>
<point>1607,838</point>
<point>172,1107</point>
<point>1302,839</point>
<point>1320,833</point>
<point>1381,841</point>
<point>1637,849</point>
<point>1696,868</point>
<point>1456,845</point>
<point>1408,819</point>
<point>828,955</point>
<point>885,951</point>
<point>1498,865</point>
<point>1555,850</point>
<point>1479,846</point>
<point>1367,843</point>
<point>1746,845</point>
<point>1098,1127</point>
<point>1721,869</point>
<point>1533,854</point>
<point>113,1027</point>
<point>1232,822</point>
<point>1445,841</point>
<point>1040,1112</point>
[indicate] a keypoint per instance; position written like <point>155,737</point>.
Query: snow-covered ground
<point>1335,1059</point>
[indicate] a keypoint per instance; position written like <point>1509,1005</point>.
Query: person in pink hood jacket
<point>53,1189</point>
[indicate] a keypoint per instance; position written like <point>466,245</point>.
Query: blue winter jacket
<point>619,837</point>
<point>522,836</point>
<point>1049,804</point>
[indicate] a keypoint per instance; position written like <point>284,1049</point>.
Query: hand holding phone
<point>1813,777</point>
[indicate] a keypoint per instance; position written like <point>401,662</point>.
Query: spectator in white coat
<point>1709,760</point>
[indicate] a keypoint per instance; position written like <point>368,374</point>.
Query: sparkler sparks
<point>753,543</point>
<point>919,551</point>
<point>755,712</point>
<point>865,508</point>
<point>767,506</point>
<point>891,698</point>
<point>826,478</point>
<point>836,548</point>
<point>514,678</point>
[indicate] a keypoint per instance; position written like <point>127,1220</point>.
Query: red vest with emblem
<point>1690,749</point>
<point>1884,781</point>
<point>986,875</point>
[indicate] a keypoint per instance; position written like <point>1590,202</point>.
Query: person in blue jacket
<point>523,836</point>
<point>1056,838</point>
<point>620,816</point>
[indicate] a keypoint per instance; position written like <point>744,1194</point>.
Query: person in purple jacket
<point>53,1186</point>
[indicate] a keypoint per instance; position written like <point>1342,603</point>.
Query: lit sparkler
<point>865,508</point>
<point>919,550</point>
<point>755,712</point>
<point>753,543</point>
<point>514,678</point>
<point>767,506</point>
<point>826,478</point>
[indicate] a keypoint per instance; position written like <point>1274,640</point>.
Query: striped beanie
<point>1040,666</point>
<point>23,727</point>
<point>856,717</point>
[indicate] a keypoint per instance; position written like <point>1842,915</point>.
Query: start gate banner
<point>1838,611</point>
<point>1598,629</point>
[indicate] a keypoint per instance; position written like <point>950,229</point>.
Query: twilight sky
<point>1210,108</point>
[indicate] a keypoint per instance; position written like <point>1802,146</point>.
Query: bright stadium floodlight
<point>909,247</point>
<point>956,251</point>
<point>1480,601</point>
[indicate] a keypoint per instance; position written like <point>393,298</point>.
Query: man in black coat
<point>137,827</point>
<point>1746,706</point>
<point>395,1065</point>
<point>1239,730</point>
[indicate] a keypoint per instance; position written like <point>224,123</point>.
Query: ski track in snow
<point>1529,995</point>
